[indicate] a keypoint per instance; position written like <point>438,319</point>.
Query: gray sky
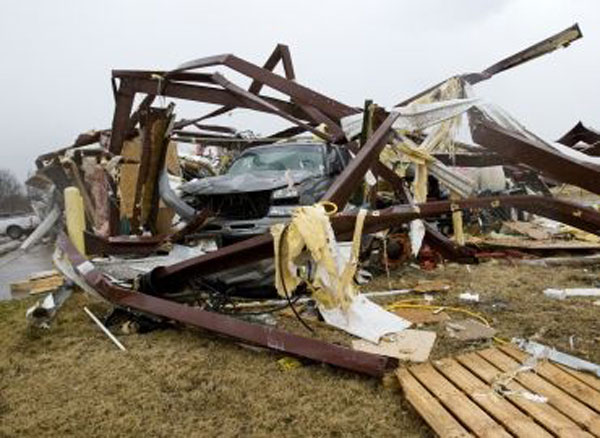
<point>57,56</point>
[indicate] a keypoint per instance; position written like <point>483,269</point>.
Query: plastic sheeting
<point>541,351</point>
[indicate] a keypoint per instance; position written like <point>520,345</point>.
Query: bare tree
<point>12,193</point>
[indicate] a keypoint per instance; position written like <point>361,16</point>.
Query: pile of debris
<point>206,225</point>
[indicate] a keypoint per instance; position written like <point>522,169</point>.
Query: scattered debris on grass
<point>323,243</point>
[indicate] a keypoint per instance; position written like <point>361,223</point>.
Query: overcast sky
<point>57,56</point>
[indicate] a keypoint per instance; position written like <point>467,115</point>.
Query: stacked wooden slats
<point>39,283</point>
<point>458,397</point>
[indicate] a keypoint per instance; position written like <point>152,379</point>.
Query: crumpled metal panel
<point>275,339</point>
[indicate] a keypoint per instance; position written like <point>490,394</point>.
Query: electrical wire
<point>436,307</point>
<point>222,299</point>
<point>275,309</point>
<point>284,287</point>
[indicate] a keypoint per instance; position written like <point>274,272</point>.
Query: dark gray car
<point>264,184</point>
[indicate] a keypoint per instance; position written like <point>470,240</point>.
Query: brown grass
<point>512,300</point>
<point>71,381</point>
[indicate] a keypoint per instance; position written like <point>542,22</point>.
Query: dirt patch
<point>71,381</point>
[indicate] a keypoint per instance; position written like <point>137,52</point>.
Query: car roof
<point>287,144</point>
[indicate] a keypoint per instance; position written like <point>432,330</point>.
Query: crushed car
<point>263,185</point>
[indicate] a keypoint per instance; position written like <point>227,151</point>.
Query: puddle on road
<point>17,267</point>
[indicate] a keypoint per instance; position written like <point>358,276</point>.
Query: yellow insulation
<point>309,234</point>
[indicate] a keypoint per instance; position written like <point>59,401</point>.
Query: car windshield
<point>290,157</point>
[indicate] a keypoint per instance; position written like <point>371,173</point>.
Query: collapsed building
<point>294,215</point>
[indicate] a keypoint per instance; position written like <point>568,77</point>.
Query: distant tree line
<point>13,198</point>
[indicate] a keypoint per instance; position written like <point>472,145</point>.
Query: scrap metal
<point>308,111</point>
<point>367,363</point>
<point>261,247</point>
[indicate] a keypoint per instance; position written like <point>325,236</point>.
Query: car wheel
<point>14,232</point>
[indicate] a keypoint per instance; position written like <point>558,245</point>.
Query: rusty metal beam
<point>278,340</point>
<point>162,76</point>
<point>120,123</point>
<point>268,107</point>
<point>213,95</point>
<point>121,245</point>
<point>578,133</point>
<point>285,133</point>
<point>343,186</point>
<point>299,93</point>
<point>261,247</point>
<point>449,249</point>
<point>548,45</point>
<point>550,162</point>
<point>561,39</point>
<point>281,53</point>
<point>216,128</point>
<point>306,105</point>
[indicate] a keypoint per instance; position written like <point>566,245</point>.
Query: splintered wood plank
<point>45,274</point>
<point>560,378</point>
<point>543,413</point>
<point>497,406</point>
<point>127,183</point>
<point>39,284</point>
<point>46,284</point>
<point>586,378</point>
<point>21,286</point>
<point>42,290</point>
<point>434,414</point>
<point>480,423</point>
<point>569,406</point>
<point>132,150</point>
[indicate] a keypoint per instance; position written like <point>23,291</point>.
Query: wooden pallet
<point>457,396</point>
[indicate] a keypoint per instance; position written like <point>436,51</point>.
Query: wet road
<point>16,266</point>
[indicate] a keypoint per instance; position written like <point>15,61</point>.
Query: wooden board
<point>38,283</point>
<point>493,403</point>
<point>556,396</point>
<point>532,230</point>
<point>421,316</point>
<point>44,274</point>
<point>538,245</point>
<point>552,419</point>
<point>132,150</point>
<point>457,402</point>
<point>559,377</point>
<point>489,393</point>
<point>444,424</point>
<point>590,380</point>
<point>411,345</point>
